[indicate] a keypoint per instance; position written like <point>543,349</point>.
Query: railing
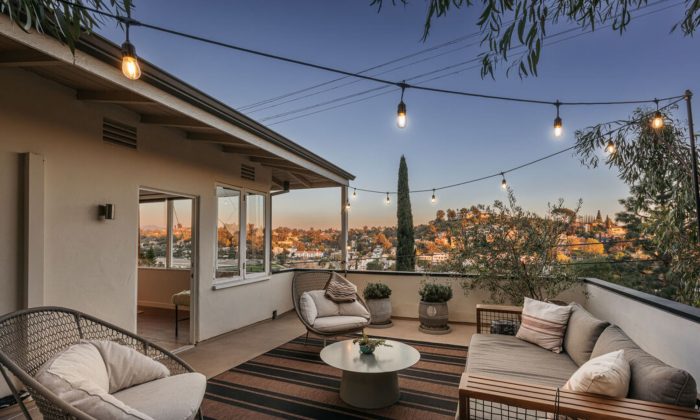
<point>666,329</point>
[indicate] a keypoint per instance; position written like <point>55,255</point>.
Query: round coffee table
<point>370,380</point>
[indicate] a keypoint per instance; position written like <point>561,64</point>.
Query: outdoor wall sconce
<point>105,211</point>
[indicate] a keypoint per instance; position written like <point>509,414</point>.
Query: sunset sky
<point>448,139</point>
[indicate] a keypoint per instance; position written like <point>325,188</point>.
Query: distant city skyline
<point>448,139</point>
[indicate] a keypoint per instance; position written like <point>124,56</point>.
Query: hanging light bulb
<point>130,63</point>
<point>401,118</point>
<point>347,205</point>
<point>658,120</point>
<point>557,122</point>
<point>354,193</point>
<point>610,147</point>
<point>504,184</point>
<point>388,200</point>
<point>433,199</point>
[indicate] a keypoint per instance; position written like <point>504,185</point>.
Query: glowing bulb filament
<point>557,123</point>
<point>130,64</point>
<point>658,120</point>
<point>401,119</point>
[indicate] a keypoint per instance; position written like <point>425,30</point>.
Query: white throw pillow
<point>78,376</point>
<point>544,324</point>
<point>127,367</point>
<point>307,307</point>
<point>608,374</point>
<point>324,306</point>
<point>354,308</point>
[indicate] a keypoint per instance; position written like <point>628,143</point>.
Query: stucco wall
<point>156,286</point>
<point>90,265</point>
<point>669,337</point>
<point>462,307</point>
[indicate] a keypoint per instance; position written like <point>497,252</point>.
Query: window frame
<point>243,277</point>
<point>169,208</point>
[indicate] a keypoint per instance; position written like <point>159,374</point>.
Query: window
<point>255,233</point>
<point>228,232</point>
<point>241,246</point>
<point>165,233</point>
<point>153,234</point>
<point>181,243</point>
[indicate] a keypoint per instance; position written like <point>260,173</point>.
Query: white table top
<point>346,356</point>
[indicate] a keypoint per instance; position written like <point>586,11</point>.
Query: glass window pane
<point>255,233</point>
<point>153,234</point>
<point>182,234</point>
<point>228,232</point>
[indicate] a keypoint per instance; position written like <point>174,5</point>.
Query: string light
<point>433,199</point>
<point>388,200</point>
<point>504,183</point>
<point>130,63</point>
<point>401,118</point>
<point>658,121</point>
<point>347,205</point>
<point>354,193</point>
<point>610,147</point>
<point>557,121</point>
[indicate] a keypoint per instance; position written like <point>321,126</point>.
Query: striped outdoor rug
<point>291,381</point>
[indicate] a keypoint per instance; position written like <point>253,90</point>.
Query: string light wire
<point>133,22</point>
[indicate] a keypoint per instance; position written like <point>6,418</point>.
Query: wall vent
<point>248,172</point>
<point>118,133</point>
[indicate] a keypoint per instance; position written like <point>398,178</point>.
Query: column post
<point>344,227</point>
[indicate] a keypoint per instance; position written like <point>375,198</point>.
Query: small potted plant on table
<point>432,311</point>
<point>377,298</point>
<point>367,345</point>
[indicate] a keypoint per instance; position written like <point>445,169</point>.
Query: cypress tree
<point>405,250</point>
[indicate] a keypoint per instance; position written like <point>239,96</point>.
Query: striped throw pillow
<point>544,324</point>
<point>339,289</point>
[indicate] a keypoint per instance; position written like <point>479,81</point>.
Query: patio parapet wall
<point>666,329</point>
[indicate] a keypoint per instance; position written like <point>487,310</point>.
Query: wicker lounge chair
<point>31,337</point>
<point>305,281</point>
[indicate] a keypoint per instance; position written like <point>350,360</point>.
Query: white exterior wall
<point>669,337</point>
<point>91,265</point>
<point>405,298</point>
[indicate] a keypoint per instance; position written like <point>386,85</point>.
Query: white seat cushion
<point>176,397</point>
<point>339,323</point>
<point>324,306</point>
<point>354,308</point>
<point>78,376</point>
<point>127,367</point>
<point>608,375</point>
<point>307,308</point>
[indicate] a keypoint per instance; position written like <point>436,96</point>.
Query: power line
<point>132,22</point>
<point>521,166</point>
<point>514,48</point>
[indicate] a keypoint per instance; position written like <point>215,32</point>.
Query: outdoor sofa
<point>506,377</point>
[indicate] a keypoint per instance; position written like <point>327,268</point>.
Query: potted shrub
<point>432,311</point>
<point>377,298</point>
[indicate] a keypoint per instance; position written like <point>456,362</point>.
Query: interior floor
<point>158,325</point>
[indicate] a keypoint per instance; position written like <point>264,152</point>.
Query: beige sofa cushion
<point>652,380</point>
<point>78,376</point>
<point>582,333</point>
<point>510,358</point>
<point>608,375</point>
<point>307,307</point>
<point>339,323</point>
<point>176,397</point>
<point>544,324</point>
<point>324,306</point>
<point>127,367</point>
<point>353,309</point>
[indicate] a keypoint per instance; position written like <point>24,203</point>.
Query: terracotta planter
<point>433,317</point>
<point>380,309</point>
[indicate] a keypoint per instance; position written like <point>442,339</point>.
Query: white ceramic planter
<point>380,309</point>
